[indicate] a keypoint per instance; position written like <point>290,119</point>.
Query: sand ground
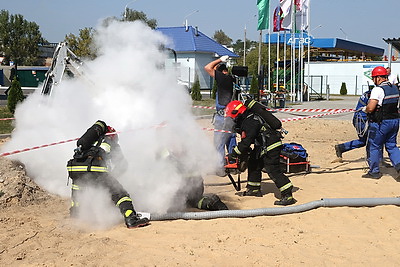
<point>36,230</point>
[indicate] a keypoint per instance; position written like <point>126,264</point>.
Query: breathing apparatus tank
<point>92,135</point>
<point>261,110</point>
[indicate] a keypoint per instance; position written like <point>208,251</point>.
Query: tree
<point>82,45</point>
<point>15,95</point>
<point>254,85</point>
<point>221,38</point>
<point>196,94</point>
<point>19,39</point>
<point>132,15</point>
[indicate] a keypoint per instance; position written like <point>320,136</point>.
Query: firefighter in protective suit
<point>264,156</point>
<point>97,158</point>
<point>192,191</point>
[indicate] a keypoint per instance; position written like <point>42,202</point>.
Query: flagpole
<point>259,61</point>
<point>292,66</point>
<point>277,63</point>
<point>269,59</point>
<point>301,54</point>
<point>284,59</point>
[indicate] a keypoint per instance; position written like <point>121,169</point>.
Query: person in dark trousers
<point>383,116</point>
<point>192,190</point>
<point>360,122</point>
<point>265,155</point>
<point>222,140</point>
<point>98,157</point>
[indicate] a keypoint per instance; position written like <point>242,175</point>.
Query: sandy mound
<point>16,187</point>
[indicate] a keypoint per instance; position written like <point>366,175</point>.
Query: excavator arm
<point>64,60</point>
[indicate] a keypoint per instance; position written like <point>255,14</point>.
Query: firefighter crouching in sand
<point>97,157</point>
<point>262,131</point>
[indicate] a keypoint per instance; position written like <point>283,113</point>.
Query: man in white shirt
<point>383,115</point>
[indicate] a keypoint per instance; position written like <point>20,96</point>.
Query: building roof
<point>193,40</point>
<point>330,45</point>
<point>346,46</point>
<point>395,42</point>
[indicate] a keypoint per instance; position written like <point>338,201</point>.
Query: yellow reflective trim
<point>236,149</point>
<point>128,212</point>
<point>251,104</point>
<point>286,186</point>
<point>122,200</point>
<point>275,145</point>
<point>85,169</point>
<point>75,187</point>
<point>106,147</point>
<point>77,168</point>
<point>101,125</point>
<point>98,169</point>
<point>253,183</point>
<point>200,203</point>
<point>74,204</point>
<point>238,107</point>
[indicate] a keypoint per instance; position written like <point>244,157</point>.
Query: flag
<point>304,11</point>
<point>277,19</point>
<point>286,6</point>
<point>263,14</point>
<point>300,12</point>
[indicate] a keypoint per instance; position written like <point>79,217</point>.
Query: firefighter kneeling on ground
<point>97,155</point>
<point>266,152</point>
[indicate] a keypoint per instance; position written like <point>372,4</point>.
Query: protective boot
<point>73,212</point>
<point>253,192</point>
<point>211,202</point>
<point>134,221</point>
<point>339,150</point>
<point>285,201</point>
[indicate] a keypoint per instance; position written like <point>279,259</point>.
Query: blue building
<point>194,50</point>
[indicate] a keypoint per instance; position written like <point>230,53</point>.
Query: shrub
<point>343,89</point>
<point>15,95</point>
<point>196,94</point>
<point>254,85</point>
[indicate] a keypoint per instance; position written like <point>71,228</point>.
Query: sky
<point>363,21</point>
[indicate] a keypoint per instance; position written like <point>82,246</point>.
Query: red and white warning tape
<point>203,107</point>
<point>297,109</point>
<point>6,119</point>
<point>67,141</point>
<point>314,110</point>
<point>164,124</point>
<point>313,116</point>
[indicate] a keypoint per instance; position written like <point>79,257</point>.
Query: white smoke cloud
<point>125,87</point>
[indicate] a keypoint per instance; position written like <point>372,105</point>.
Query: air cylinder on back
<point>261,110</point>
<point>92,135</point>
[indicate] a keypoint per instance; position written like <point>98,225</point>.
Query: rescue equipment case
<point>294,158</point>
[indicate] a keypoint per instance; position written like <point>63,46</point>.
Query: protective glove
<point>364,109</point>
<point>224,58</point>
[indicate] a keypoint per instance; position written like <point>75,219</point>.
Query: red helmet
<point>379,71</point>
<point>234,108</point>
<point>112,133</point>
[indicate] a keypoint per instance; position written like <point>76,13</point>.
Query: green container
<point>31,77</point>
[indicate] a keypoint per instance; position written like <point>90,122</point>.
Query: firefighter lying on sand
<point>98,154</point>
<point>192,191</point>
<point>264,134</point>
